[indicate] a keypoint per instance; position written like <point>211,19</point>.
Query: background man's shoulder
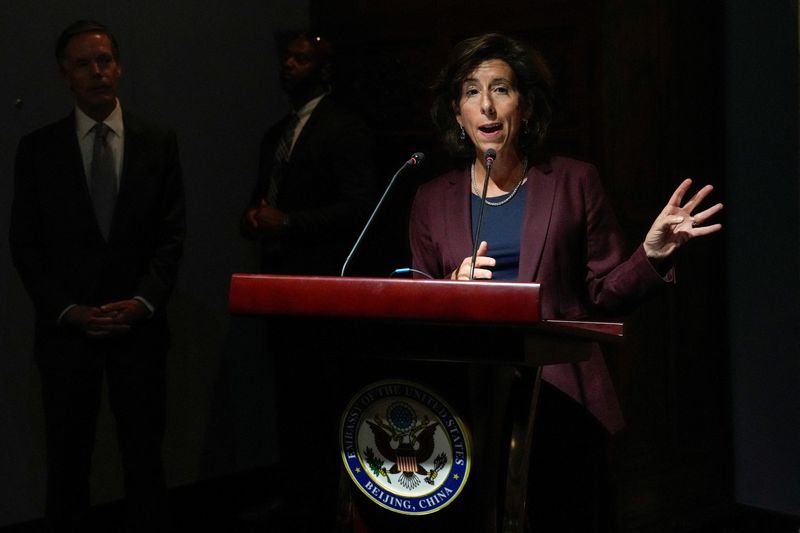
<point>53,130</point>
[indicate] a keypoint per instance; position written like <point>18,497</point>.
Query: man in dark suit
<point>313,194</point>
<point>96,235</point>
<point>315,181</point>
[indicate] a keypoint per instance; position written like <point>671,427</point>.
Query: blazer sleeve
<point>161,273</point>
<point>26,238</point>
<point>422,243</point>
<point>615,282</point>
<point>265,156</point>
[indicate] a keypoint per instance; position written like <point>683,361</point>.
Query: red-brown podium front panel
<point>479,344</point>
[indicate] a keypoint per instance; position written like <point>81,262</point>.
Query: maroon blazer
<point>571,243</point>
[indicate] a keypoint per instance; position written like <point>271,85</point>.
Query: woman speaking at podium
<point>544,219</point>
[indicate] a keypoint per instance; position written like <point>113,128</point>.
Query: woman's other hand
<point>676,225</point>
<point>481,262</point>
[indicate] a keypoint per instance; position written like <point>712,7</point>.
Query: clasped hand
<point>265,219</point>
<point>109,320</point>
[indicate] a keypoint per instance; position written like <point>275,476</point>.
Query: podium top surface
<point>436,301</point>
<point>379,298</point>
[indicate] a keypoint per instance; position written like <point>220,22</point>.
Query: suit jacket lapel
<point>133,144</point>
<point>458,219</point>
<point>302,140</point>
<point>70,149</point>
<point>538,214</point>
<point>67,151</point>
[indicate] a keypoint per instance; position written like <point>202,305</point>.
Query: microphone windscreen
<point>417,158</point>
<point>490,154</point>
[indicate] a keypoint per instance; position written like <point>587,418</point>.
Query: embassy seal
<point>404,447</point>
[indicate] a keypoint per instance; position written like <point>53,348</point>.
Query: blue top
<point>502,229</point>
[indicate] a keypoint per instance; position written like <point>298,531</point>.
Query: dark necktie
<point>103,180</point>
<point>281,157</point>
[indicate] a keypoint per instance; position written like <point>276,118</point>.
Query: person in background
<point>315,183</point>
<point>546,220</point>
<point>314,191</point>
<point>97,230</point>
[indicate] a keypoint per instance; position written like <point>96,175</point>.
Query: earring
<point>525,129</point>
<point>462,134</point>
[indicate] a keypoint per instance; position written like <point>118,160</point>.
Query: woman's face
<point>491,109</point>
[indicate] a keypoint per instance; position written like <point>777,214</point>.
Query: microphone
<point>416,159</point>
<point>489,158</point>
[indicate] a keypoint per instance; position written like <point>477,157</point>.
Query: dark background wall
<point>763,165</point>
<point>650,91</point>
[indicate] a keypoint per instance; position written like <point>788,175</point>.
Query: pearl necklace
<point>511,195</point>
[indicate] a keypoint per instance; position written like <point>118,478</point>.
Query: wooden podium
<point>490,333</point>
